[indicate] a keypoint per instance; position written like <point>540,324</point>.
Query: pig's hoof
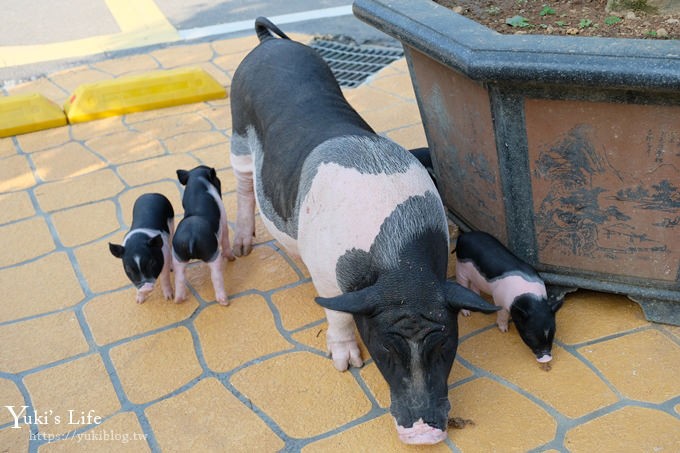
<point>503,328</point>
<point>465,312</point>
<point>180,298</point>
<point>222,300</point>
<point>344,354</point>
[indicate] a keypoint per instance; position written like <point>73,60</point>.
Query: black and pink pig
<point>363,215</point>
<point>484,264</point>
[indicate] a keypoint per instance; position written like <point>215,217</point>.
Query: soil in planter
<point>568,17</point>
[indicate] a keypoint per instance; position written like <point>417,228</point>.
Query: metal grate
<point>351,63</point>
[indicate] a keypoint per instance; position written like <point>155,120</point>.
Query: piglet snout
<point>544,358</point>
<point>420,434</point>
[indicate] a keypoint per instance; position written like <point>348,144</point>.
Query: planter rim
<point>487,56</point>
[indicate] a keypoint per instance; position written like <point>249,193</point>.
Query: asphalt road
<point>43,36</point>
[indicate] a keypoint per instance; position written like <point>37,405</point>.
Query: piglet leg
<point>465,282</point>
<point>166,285</point>
<point>218,281</point>
<point>245,212</point>
<point>341,341</point>
<point>180,280</point>
<point>502,319</point>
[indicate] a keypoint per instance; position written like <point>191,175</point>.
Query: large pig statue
<point>363,215</point>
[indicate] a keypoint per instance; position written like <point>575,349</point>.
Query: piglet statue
<point>484,264</point>
<point>146,248</point>
<point>365,218</point>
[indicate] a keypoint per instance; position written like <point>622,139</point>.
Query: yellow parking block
<point>27,113</point>
<point>148,91</point>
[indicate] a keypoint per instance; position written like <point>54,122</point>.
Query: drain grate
<point>351,63</point>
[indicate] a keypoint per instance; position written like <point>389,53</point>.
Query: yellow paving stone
<point>376,384</point>
<point>264,269</point>
<point>643,365</point>
<point>314,337</point>
<point>217,73</point>
<point>570,387</point>
<point>297,307</point>
<point>220,117</point>
<point>17,438</point>
<point>302,393</point>
<point>394,117</point>
<point>43,86</point>
<point>37,287</point>
<point>89,130</point>
<point>396,84</point>
<point>227,46</point>
<point>128,65</point>
<point>627,429</point>
<point>153,170</point>
<point>191,141</point>
<point>216,155</point>
<point>70,79</point>
<point>227,178</point>
<point>15,206</point>
<point>175,56</point>
<point>168,188</point>
<point>378,434</point>
<point>85,223</point>
<point>126,146</point>
<point>120,433</point>
<point>410,137</point>
<point>45,139</point>
<point>15,174</point>
<point>230,62</point>
<point>7,147</point>
<point>675,330</point>
<point>156,365</point>
<point>233,335</point>
<point>297,260</point>
<point>366,98</point>
<point>159,116</point>
<point>9,396</point>
<point>69,160</point>
<point>39,341</point>
<point>116,316</point>
<point>175,123</point>
<point>102,271</point>
<point>606,314</point>
<point>78,190</point>
<point>497,412</point>
<point>81,386</point>
<point>207,417</point>
<point>474,322</point>
<point>25,239</point>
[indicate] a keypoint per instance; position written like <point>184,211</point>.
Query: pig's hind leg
<point>242,165</point>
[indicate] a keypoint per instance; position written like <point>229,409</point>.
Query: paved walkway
<point>99,372</point>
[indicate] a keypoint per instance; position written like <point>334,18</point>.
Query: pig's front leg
<point>218,281</point>
<point>227,252</point>
<point>166,285</point>
<point>502,319</point>
<point>341,341</point>
<point>245,210</point>
<point>180,280</point>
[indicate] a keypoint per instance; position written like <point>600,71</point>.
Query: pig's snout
<point>420,434</point>
<point>543,358</point>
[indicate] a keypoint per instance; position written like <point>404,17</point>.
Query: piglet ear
<point>156,241</point>
<point>183,177</point>
<point>458,298</point>
<point>555,304</point>
<point>359,302</point>
<point>116,250</point>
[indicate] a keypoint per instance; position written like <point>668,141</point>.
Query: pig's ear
<point>116,250</point>
<point>356,302</point>
<point>183,176</point>
<point>555,304</point>
<point>458,298</point>
<point>156,241</point>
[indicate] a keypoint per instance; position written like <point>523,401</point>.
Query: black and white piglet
<point>484,264</point>
<point>202,231</point>
<point>145,250</point>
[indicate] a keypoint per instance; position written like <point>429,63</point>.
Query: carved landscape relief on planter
<point>606,198</point>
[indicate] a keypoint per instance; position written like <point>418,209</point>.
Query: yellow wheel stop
<point>27,113</point>
<point>148,91</point>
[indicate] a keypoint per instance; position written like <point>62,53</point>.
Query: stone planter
<point>567,149</point>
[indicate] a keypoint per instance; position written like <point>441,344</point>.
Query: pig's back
<point>491,258</point>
